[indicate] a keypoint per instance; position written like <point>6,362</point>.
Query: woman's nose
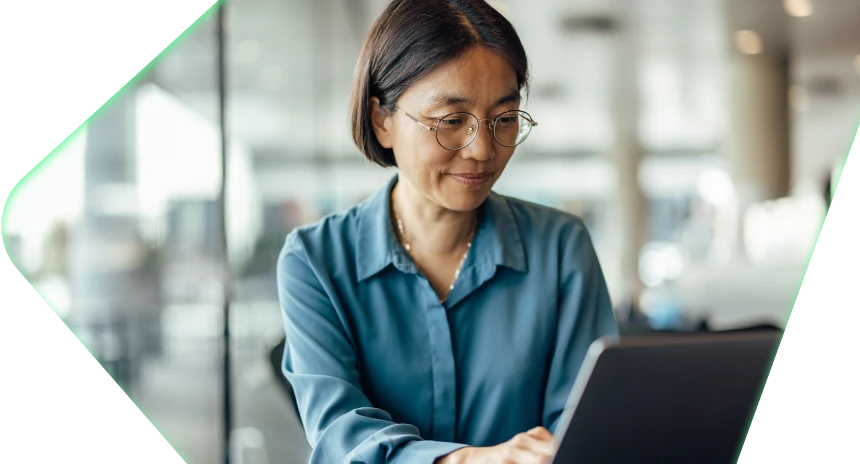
<point>482,148</point>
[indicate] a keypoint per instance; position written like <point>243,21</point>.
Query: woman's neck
<point>429,227</point>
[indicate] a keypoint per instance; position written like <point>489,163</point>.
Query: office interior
<point>700,141</point>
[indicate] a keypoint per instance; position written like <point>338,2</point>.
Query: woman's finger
<point>529,456</point>
<point>540,433</point>
<point>537,442</point>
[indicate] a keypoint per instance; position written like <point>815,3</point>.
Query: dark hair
<point>409,40</point>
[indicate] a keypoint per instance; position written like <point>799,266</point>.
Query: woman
<point>439,322</point>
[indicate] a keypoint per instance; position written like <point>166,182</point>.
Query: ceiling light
<point>798,8</point>
<point>748,42</point>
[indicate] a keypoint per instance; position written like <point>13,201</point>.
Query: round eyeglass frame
<point>491,126</point>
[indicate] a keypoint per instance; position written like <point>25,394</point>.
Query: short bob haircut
<point>409,40</point>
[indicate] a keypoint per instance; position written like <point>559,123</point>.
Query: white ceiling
<point>291,65</point>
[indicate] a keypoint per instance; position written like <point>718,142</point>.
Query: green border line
<point>835,183</point>
<point>132,81</point>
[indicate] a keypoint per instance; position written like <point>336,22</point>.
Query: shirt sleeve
<point>584,315</point>
<point>341,424</point>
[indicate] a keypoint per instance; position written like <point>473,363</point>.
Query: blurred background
<point>700,141</point>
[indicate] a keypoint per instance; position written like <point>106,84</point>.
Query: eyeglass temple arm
<point>419,122</point>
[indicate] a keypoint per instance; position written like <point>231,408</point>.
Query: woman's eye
<point>507,120</point>
<point>452,122</point>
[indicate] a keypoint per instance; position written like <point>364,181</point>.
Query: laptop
<point>665,398</point>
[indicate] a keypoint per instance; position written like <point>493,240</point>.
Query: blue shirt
<point>385,373</point>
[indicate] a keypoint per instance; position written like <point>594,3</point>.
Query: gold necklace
<point>408,248</point>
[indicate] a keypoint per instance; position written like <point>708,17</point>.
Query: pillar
<point>627,212</point>
<point>758,152</point>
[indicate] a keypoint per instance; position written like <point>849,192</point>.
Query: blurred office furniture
<point>13,249</point>
<point>701,327</point>
<point>741,294</point>
<point>110,344</point>
<point>676,318</point>
<point>276,358</point>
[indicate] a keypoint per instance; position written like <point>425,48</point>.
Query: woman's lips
<point>472,179</point>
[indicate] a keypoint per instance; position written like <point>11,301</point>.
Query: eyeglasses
<point>457,130</point>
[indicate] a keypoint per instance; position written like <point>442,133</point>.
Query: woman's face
<point>481,82</point>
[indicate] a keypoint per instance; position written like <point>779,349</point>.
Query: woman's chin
<point>469,202</point>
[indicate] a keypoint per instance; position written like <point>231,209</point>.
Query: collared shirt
<point>385,373</point>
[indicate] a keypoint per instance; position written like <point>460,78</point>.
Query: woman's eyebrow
<point>448,99</point>
<point>512,97</point>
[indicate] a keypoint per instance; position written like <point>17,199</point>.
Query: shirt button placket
<point>444,372</point>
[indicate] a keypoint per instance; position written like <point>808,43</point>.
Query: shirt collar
<point>497,242</point>
<point>503,234</point>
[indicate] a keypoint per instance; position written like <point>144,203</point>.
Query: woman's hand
<point>537,446</point>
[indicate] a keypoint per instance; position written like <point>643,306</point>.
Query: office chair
<point>276,358</point>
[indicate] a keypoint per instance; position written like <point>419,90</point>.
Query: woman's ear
<point>381,119</point>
